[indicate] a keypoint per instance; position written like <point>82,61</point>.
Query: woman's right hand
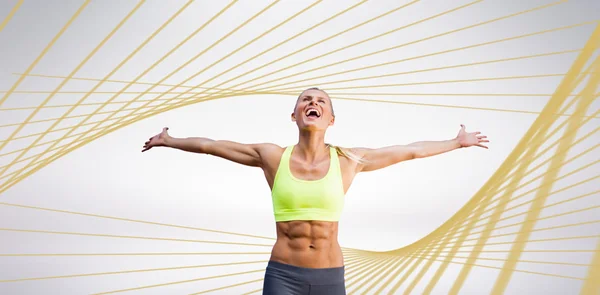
<point>157,140</point>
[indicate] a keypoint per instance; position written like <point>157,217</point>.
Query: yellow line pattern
<point>11,14</point>
<point>537,211</point>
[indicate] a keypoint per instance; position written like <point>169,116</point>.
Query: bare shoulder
<point>268,148</point>
<point>359,151</point>
<point>355,152</point>
<point>352,158</point>
<point>270,153</point>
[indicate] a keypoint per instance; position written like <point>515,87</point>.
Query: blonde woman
<point>308,182</point>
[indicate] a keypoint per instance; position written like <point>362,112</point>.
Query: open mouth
<point>313,113</point>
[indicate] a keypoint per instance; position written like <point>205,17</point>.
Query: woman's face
<point>313,111</point>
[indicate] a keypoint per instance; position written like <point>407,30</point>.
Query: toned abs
<point>312,244</point>
<point>308,244</point>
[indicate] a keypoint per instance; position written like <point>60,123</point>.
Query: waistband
<point>314,276</point>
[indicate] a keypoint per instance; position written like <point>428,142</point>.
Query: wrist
<point>168,141</point>
<point>456,143</point>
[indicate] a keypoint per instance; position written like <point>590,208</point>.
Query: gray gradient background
<point>386,209</point>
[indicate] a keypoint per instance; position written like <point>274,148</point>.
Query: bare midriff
<point>311,244</point>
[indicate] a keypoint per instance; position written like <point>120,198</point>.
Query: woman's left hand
<point>466,139</point>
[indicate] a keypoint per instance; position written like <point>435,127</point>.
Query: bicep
<point>245,154</point>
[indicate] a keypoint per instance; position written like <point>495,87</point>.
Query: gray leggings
<point>285,279</point>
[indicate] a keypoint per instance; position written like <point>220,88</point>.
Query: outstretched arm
<point>245,154</point>
<point>383,157</point>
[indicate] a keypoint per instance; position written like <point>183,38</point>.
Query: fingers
<point>146,146</point>
<point>480,138</point>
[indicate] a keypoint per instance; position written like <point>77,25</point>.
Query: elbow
<point>419,152</point>
<point>204,146</point>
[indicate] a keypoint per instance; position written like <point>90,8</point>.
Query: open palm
<point>468,139</point>
<point>157,140</point>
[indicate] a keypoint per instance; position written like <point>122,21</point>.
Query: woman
<point>308,183</point>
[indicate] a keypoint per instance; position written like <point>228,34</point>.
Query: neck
<point>311,145</point>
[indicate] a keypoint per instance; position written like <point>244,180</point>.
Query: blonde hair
<point>348,154</point>
<point>340,151</point>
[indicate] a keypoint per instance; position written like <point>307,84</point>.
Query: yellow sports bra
<point>297,199</point>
